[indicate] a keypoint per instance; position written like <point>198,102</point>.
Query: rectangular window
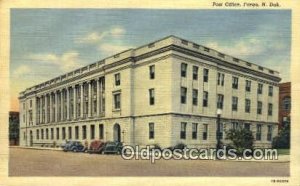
<point>101,131</point>
<point>221,77</point>
<point>152,72</point>
<point>57,133</point>
<point>260,88</point>
<point>47,133</point>
<point>195,97</point>
<point>220,101</point>
<point>76,132</point>
<point>52,133</point>
<point>183,130</point>
<point>205,99</point>
<point>194,130</point>
<point>270,109</point>
<point>259,107</point>
<point>234,103</point>
<point>205,131</point>
<point>195,72</point>
<point>235,125</point>
<point>248,86</point>
<point>235,82</point>
<point>37,134</point>
<point>42,134</point>
<point>247,126</point>
<point>63,133</point>
<point>183,69</point>
<point>269,134</point>
<point>117,101</point>
<point>151,130</point>
<point>70,132</point>
<point>270,90</point>
<point>221,130</point>
<point>247,105</point>
<point>84,132</point>
<point>92,131</point>
<point>151,96</point>
<point>183,95</point>
<point>117,79</point>
<point>205,75</point>
<point>258,132</point>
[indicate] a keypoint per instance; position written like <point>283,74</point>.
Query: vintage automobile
<point>96,146</point>
<point>112,148</point>
<point>75,146</point>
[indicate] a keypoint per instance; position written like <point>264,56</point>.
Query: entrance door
<point>117,132</point>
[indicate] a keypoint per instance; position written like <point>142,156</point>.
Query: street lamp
<point>218,133</point>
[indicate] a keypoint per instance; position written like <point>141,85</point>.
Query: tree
<point>282,141</point>
<point>241,139</point>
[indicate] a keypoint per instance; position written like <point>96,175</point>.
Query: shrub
<point>241,139</point>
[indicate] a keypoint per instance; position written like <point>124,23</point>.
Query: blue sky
<point>46,43</point>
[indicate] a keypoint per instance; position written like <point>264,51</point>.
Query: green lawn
<point>283,151</point>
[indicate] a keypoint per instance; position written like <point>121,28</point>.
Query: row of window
<point>49,133</point>
<point>220,79</point>
<point>220,101</point>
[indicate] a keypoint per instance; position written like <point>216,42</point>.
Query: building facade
<point>166,92</point>
<point>284,103</point>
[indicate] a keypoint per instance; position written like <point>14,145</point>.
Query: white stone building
<point>165,92</point>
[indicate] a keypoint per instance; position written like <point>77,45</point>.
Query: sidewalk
<point>37,148</point>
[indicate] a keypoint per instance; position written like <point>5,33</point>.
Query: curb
<point>36,148</point>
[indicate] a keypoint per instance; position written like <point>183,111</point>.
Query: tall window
<point>47,133</point>
<point>151,96</point>
<point>205,75</point>
<point>205,131</point>
<point>269,134</point>
<point>235,125</point>
<point>101,131</point>
<point>270,90</point>
<point>92,131</point>
<point>247,126</point>
<point>258,132</point>
<point>42,134</point>
<point>63,133</point>
<point>151,130</point>
<point>260,88</point>
<point>270,109</point>
<point>117,79</point>
<point>195,97</point>
<point>57,133</point>
<point>205,99</point>
<point>286,103</point>
<point>235,82</point>
<point>183,95</point>
<point>37,134</point>
<point>234,103</point>
<point>70,132</point>
<point>247,105</point>
<point>259,107</point>
<point>52,133</point>
<point>221,77</point>
<point>76,132</point>
<point>248,86</point>
<point>194,130</point>
<point>84,132</point>
<point>117,101</point>
<point>195,72</point>
<point>152,72</point>
<point>183,69</point>
<point>183,130</point>
<point>220,101</point>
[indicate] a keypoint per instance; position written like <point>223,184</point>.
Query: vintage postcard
<point>149,92</point>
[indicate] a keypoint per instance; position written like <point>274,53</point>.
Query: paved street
<point>29,162</point>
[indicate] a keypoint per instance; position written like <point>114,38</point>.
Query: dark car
<point>112,148</point>
<point>75,146</point>
<point>96,146</point>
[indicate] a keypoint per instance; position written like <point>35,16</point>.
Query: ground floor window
<point>84,132</point>
<point>269,135</point>
<point>57,133</point>
<point>194,130</point>
<point>205,131</point>
<point>183,130</point>
<point>63,133</point>
<point>247,126</point>
<point>151,130</point>
<point>101,131</point>
<point>52,133</point>
<point>42,134</point>
<point>76,132</point>
<point>92,131</point>
<point>258,132</point>
<point>37,134</point>
<point>47,133</point>
<point>70,132</point>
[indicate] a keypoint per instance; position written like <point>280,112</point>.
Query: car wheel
<point>74,150</point>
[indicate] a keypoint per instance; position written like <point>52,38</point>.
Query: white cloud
<point>21,71</point>
<point>65,62</point>
<point>109,49</point>
<point>117,31</point>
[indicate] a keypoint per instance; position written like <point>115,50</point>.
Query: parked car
<point>96,146</point>
<point>112,148</point>
<point>75,146</point>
